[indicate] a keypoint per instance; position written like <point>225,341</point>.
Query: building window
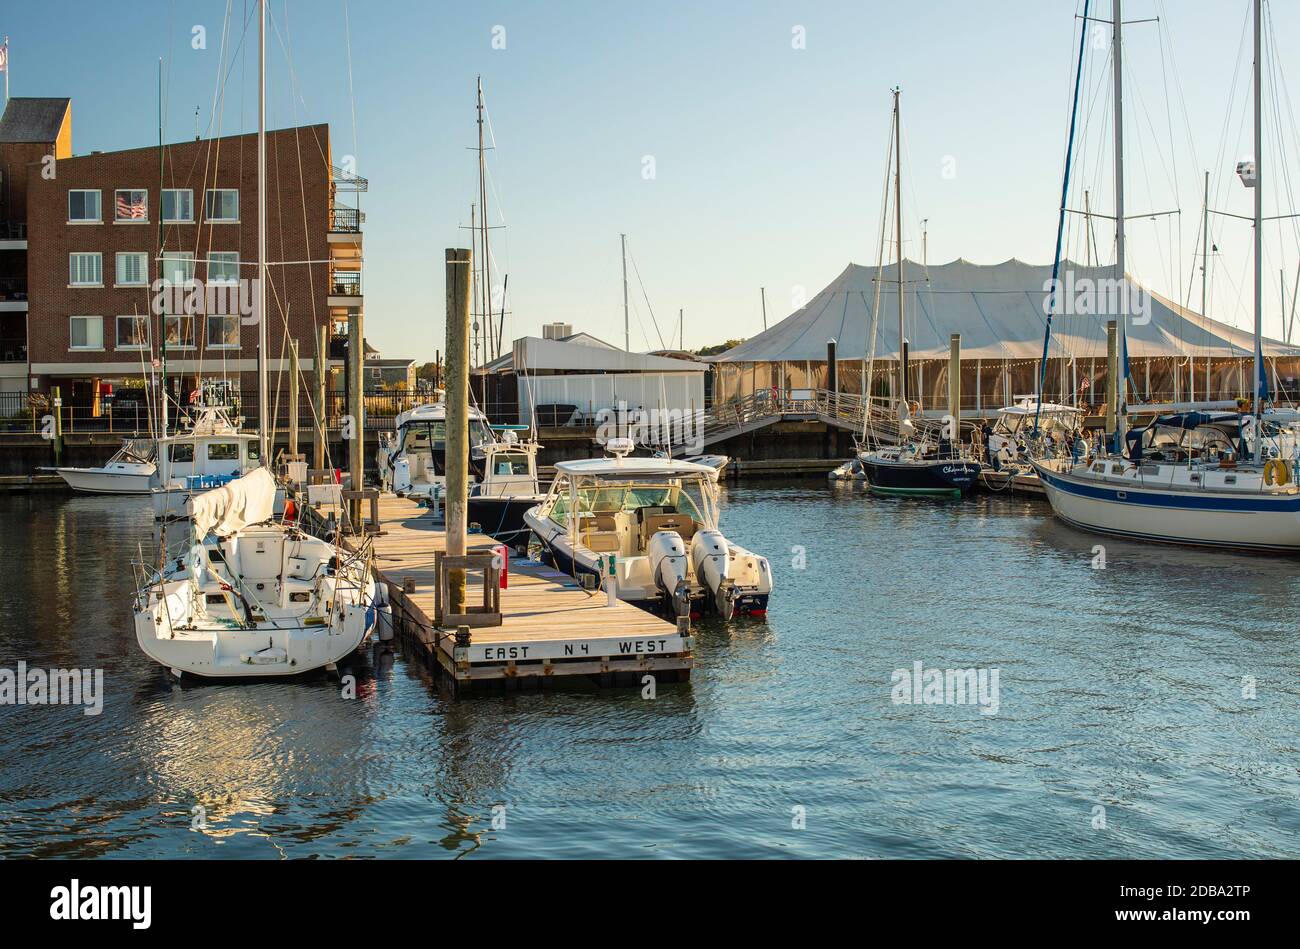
<point>131,204</point>
<point>223,332</point>
<point>86,332</point>
<point>86,270</point>
<point>180,332</point>
<point>221,204</point>
<point>133,332</point>
<point>132,270</point>
<point>177,266</point>
<point>223,266</point>
<point>83,207</point>
<point>177,205</point>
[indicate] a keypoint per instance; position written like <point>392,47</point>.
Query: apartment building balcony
<point>345,289</point>
<point>13,294</point>
<point>13,236</point>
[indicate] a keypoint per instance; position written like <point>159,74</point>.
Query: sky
<point>738,145</point>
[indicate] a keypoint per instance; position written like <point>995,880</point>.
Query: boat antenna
<point>1060,219</point>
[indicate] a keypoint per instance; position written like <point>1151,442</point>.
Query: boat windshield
<point>507,463</point>
<point>613,498</point>
<point>418,436</point>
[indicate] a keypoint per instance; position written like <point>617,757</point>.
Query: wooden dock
<point>551,627</point>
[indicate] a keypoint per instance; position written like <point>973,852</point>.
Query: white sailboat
<point>1236,495</point>
<point>251,595</point>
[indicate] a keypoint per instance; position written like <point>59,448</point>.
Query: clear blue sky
<point>769,160</point>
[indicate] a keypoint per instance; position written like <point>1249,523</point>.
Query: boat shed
<point>572,380</point>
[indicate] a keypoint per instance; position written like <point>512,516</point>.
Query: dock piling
<point>458,264</point>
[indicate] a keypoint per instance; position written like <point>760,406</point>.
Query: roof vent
<point>557,330</point>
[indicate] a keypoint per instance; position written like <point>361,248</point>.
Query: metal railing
<point>12,231</point>
<point>345,220</point>
<point>345,283</point>
<point>13,288</point>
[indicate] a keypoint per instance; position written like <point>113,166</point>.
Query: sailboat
<point>1199,491</point>
<point>252,595</point>
<point>919,465</point>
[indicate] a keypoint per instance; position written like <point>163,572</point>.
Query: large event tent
<point>999,311</point>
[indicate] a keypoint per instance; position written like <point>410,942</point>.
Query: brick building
<point>85,239</point>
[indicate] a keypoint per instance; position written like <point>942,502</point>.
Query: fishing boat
<point>252,596</point>
<point>1215,491</point>
<point>650,527</point>
<point>412,460</point>
<point>210,452</point>
<point>507,489</point>
<point>131,470</point>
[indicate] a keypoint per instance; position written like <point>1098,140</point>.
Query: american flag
<point>1084,384</point>
<point>131,206</point>
<point>4,56</point>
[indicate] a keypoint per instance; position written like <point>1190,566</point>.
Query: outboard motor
<point>667,554</point>
<point>712,559</point>
<point>401,475</point>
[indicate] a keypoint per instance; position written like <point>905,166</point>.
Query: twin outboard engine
<point>668,564</point>
<point>712,559</point>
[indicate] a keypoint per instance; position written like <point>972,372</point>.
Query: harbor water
<point>1137,701</point>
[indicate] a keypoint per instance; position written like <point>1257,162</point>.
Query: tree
<point>718,348</point>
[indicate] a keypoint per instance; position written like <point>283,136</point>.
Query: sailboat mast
<point>627,332</point>
<point>1259,240</point>
<point>485,318</point>
<point>1117,47</point>
<point>898,235</point>
<point>263,394</point>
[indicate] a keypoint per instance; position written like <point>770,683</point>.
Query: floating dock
<point>551,628</point>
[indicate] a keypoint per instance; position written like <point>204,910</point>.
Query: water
<point>1118,688</point>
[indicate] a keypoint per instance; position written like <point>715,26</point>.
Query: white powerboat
<point>1013,432</point>
<point>211,452</point>
<point>507,489</point>
<point>413,460</point>
<point>131,470</point>
<point>651,526</point>
<point>251,596</point>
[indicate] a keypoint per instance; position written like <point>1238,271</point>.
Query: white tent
<point>999,311</point>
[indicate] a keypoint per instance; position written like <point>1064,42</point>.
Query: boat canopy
<point>633,468</point>
<point>228,509</point>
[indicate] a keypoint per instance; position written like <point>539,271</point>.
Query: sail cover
<point>226,510</point>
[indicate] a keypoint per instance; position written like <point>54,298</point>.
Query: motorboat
<point>507,490</point>
<point>1014,430</point>
<point>650,527</point>
<point>251,596</point>
<point>412,460</point>
<point>209,453</point>
<point>131,470</point>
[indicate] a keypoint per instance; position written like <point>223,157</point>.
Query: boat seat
<point>681,523</point>
<point>600,522</point>
<point>602,542</point>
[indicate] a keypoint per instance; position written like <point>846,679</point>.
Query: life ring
<point>1276,472</point>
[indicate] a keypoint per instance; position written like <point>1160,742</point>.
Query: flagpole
<point>6,49</point>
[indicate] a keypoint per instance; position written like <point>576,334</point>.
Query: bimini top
<point>433,412</point>
<point>633,467</point>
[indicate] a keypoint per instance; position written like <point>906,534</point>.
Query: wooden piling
<point>320,411</point>
<point>355,431</point>
<point>1112,376</point>
<point>293,397</point>
<point>459,262</point>
<point>954,384</point>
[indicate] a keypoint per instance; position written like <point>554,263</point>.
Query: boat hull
<point>1244,521</point>
<point>503,517</point>
<point>104,481</point>
<point>931,478</point>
